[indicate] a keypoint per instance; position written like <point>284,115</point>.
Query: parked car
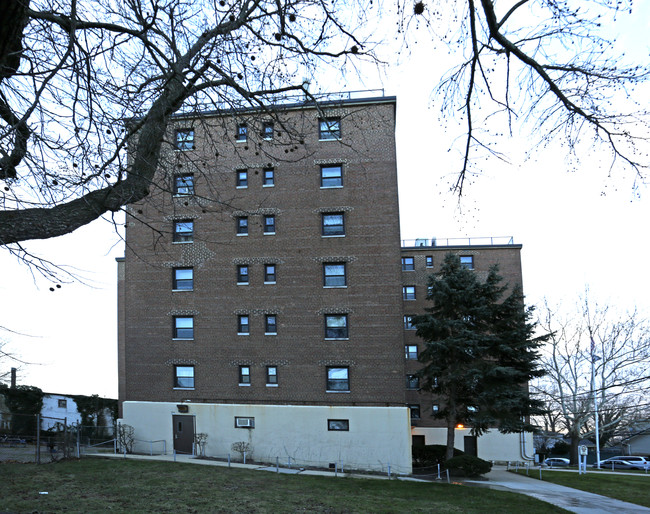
<point>624,462</point>
<point>556,462</point>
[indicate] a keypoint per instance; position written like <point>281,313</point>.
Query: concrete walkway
<point>499,478</point>
<point>570,499</point>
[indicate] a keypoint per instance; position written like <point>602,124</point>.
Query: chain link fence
<point>22,441</point>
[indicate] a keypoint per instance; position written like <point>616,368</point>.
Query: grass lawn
<point>633,489</point>
<point>98,485</point>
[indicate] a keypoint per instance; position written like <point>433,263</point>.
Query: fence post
<point>150,448</point>
<point>65,438</point>
<point>289,464</point>
<point>174,454</point>
<point>78,441</point>
<point>389,470</point>
<point>336,469</point>
<point>448,481</point>
<point>244,457</point>
<point>277,464</point>
<point>38,439</point>
<point>228,460</point>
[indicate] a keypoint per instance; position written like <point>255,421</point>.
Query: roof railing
<point>458,241</point>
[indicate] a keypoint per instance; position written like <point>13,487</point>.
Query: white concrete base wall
<point>378,437</point>
<point>492,446</point>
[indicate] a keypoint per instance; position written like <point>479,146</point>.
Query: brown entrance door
<point>183,433</point>
<point>471,447</point>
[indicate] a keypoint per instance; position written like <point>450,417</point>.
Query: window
<point>342,425</point>
<point>183,231</point>
<point>242,324</point>
<point>271,324</point>
<point>269,224</point>
<point>269,273</point>
<point>269,177</point>
<point>271,375</point>
<point>244,375</point>
<point>329,128</point>
<point>334,274</point>
<point>184,377</point>
<point>242,226</point>
<point>331,176</point>
<point>184,184</point>
<point>429,261</point>
<point>333,224</point>
<point>415,410</point>
<point>338,379</point>
<point>185,139</point>
<point>408,292</point>
<point>183,279</point>
<point>242,274</point>
<point>411,351</point>
<point>241,135</point>
<point>242,178</point>
<point>63,404</point>
<point>408,264</point>
<point>412,382</point>
<point>267,130</point>
<point>244,422</point>
<point>183,327</point>
<point>467,261</point>
<point>408,322</point>
<point>336,326</point>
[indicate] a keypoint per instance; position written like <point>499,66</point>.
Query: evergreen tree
<point>480,352</point>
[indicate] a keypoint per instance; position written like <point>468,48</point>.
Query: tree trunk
<point>573,449</point>
<point>451,434</point>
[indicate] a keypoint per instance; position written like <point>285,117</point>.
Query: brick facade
<point>232,180</point>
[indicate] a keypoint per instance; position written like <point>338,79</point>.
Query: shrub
<point>468,466</point>
<point>431,455</point>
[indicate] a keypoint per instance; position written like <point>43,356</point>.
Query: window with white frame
<point>333,224</point>
<point>271,375</point>
<point>242,274</point>
<point>184,377</point>
<point>243,326</point>
<point>241,178</point>
<point>338,379</point>
<point>336,326</point>
<point>183,231</point>
<point>269,224</point>
<point>267,130</point>
<point>185,139</point>
<point>411,351</point>
<point>269,177</point>
<point>408,264</point>
<point>241,135</point>
<point>244,375</point>
<point>271,324</point>
<point>242,226</point>
<point>331,175</point>
<point>183,327</point>
<point>334,274</point>
<point>184,184</point>
<point>183,279</point>
<point>269,273</point>
<point>408,292</point>
<point>467,261</point>
<point>329,129</point>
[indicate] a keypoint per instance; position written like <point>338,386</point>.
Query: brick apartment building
<point>261,297</point>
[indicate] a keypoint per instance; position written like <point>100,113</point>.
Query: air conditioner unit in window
<point>244,422</point>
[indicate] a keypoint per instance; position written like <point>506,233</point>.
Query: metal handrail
<point>458,241</point>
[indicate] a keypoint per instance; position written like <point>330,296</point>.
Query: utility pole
<point>593,391</point>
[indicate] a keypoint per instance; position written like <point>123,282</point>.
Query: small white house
<point>58,408</point>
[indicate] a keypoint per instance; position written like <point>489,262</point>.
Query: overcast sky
<point>578,228</point>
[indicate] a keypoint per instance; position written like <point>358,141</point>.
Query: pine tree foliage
<point>480,351</point>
